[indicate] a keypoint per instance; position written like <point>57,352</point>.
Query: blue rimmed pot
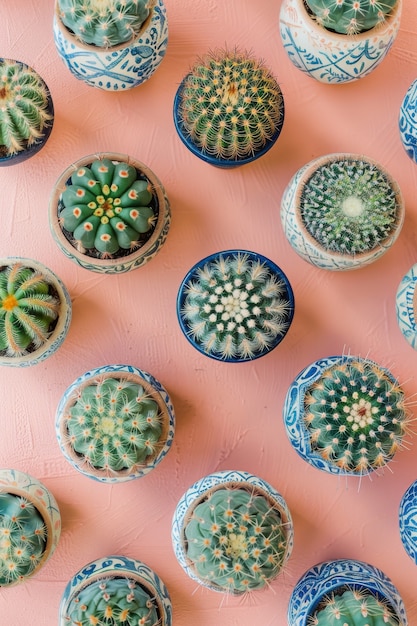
<point>346,415</point>
<point>116,587</point>
<point>120,67</point>
<point>406,306</point>
<point>408,121</point>
<point>36,312</point>
<point>115,423</point>
<point>87,238</point>
<point>235,305</point>
<point>408,521</point>
<point>30,518</point>
<point>331,579</point>
<point>232,532</point>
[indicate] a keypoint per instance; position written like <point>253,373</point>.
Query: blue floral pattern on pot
<point>405,306</point>
<point>408,520</point>
<point>408,121</point>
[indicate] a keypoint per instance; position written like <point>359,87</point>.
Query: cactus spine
<point>355,607</point>
<point>350,17</point>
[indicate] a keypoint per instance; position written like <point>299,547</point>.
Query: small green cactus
<point>353,607</point>
<point>22,538</point>
<point>107,208</point>
<point>29,307</point>
<point>103,23</point>
<point>350,17</point>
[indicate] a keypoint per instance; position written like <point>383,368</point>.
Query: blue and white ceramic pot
<point>28,336</point>
<point>150,223</point>
<point>406,306</point>
<point>219,525</point>
<point>334,577</point>
<point>331,57</point>
<point>121,67</point>
<point>115,423</point>
<point>408,121</point>
<point>118,586</point>
<point>235,306</point>
<point>342,211</point>
<point>30,516</point>
<point>408,521</point>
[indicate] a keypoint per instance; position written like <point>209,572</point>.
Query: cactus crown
<point>107,209</point>
<point>103,23</point>
<point>25,107</point>
<point>113,602</point>
<point>349,206</point>
<point>29,307</point>
<point>236,540</point>
<point>230,105</point>
<point>350,17</point>
<point>23,538</point>
<point>355,415</point>
<point>356,607</point>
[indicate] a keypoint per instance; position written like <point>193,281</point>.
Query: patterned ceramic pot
<point>408,121</point>
<point>30,516</point>
<point>334,576</point>
<point>406,306</point>
<point>120,67</point>
<point>36,309</point>
<point>342,211</point>
<point>231,512</point>
<point>150,223</point>
<point>119,586</point>
<point>332,57</point>
<point>408,521</point>
<point>235,306</point>
<point>115,423</point>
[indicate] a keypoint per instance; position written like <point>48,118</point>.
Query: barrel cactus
<point>356,607</point>
<point>350,17</point>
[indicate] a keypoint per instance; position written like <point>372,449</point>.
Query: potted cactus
<point>30,526</point>
<point>346,415</point>
<point>229,108</point>
<point>342,211</point>
<point>408,121</point>
<point>109,213</point>
<point>406,306</point>
<point>35,312</point>
<point>115,423</point>
<point>345,591</point>
<point>338,42</point>
<point>235,305</point>
<point>408,521</point>
<point>115,590</point>
<point>232,532</point>
<point>111,44</point>
<point>26,112</point>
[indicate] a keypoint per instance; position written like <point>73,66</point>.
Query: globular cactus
<point>103,23</point>
<point>350,17</point>
<point>355,607</point>
<point>107,208</point>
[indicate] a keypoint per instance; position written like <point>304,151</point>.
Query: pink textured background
<point>228,416</point>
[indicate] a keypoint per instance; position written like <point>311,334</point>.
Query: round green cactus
<point>23,538</point>
<point>350,17</point>
<point>107,208</point>
<point>29,307</point>
<point>355,607</point>
<point>103,23</point>
<point>236,540</point>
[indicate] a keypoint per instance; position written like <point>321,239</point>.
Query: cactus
<point>350,17</point>
<point>230,105</point>
<point>29,307</point>
<point>356,607</point>
<point>22,538</point>
<point>26,113</point>
<point>107,208</point>
<point>103,23</point>
<point>236,540</point>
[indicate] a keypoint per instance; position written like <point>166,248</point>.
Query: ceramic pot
<point>235,306</point>
<point>231,535</point>
<point>343,224</point>
<point>406,306</point>
<point>331,57</point>
<point>408,121</point>
<point>333,576</point>
<point>130,420</point>
<point>408,521</point>
<point>30,349</point>
<point>146,245</point>
<point>121,67</point>
<point>105,578</point>
<point>27,508</point>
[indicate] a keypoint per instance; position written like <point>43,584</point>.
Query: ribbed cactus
<point>350,17</point>
<point>236,540</point>
<point>26,113</point>
<point>103,23</point>
<point>29,307</point>
<point>107,208</point>
<point>22,538</point>
<point>353,607</point>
